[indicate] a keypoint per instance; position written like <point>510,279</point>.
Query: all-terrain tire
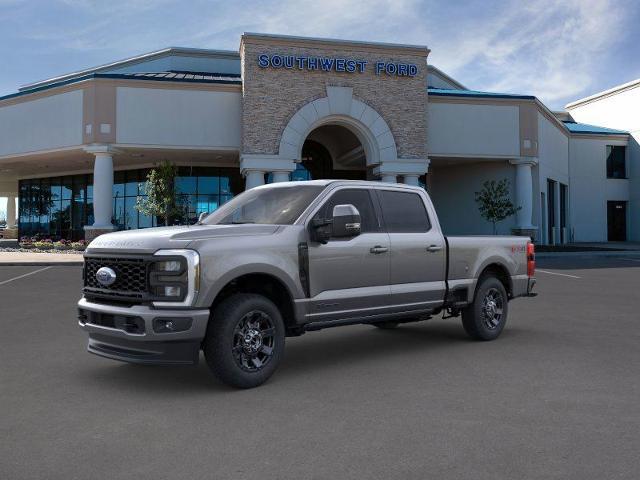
<point>486,316</point>
<point>245,340</point>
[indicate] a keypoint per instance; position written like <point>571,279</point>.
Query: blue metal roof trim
<point>228,79</point>
<point>585,128</point>
<point>444,92</point>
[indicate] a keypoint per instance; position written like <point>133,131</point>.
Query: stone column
<point>280,176</point>
<point>524,196</point>
<point>11,211</point>
<point>253,178</point>
<point>102,191</point>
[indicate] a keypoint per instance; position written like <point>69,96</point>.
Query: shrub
<point>80,246</point>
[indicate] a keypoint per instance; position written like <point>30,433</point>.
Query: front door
<point>350,277</point>
<point>617,221</point>
<point>418,252</point>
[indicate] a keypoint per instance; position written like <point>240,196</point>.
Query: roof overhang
<point>145,57</point>
<point>605,93</point>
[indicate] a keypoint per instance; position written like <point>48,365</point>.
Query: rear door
<point>350,277</point>
<point>418,252</point>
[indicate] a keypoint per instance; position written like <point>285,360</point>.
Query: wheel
<point>245,340</point>
<point>485,318</point>
<point>390,325</point>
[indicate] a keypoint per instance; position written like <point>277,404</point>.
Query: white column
<point>389,178</point>
<point>11,212</point>
<point>102,187</point>
<point>411,180</point>
<point>280,176</point>
<point>253,167</point>
<point>524,192</point>
<point>253,178</point>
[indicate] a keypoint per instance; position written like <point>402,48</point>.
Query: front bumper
<point>127,333</point>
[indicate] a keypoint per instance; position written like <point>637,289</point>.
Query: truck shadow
<point>312,353</point>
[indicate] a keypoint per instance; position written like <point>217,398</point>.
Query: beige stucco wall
<point>54,121</point>
<point>271,96</point>
<point>467,129</point>
<point>178,117</point>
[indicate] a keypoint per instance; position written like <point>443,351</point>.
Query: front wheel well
<point>501,273</point>
<point>262,284</point>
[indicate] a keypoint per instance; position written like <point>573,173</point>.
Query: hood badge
<point>106,276</point>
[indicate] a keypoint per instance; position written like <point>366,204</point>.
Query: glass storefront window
<point>60,207</point>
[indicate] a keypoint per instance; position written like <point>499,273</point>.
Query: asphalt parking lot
<point>557,396</point>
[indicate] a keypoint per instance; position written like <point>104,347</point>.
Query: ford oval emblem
<point>106,276</point>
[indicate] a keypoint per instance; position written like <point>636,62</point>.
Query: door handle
<point>378,249</point>
<point>434,248</point>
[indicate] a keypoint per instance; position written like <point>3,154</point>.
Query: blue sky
<point>557,50</point>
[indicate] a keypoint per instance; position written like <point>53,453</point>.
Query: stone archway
<point>340,108</point>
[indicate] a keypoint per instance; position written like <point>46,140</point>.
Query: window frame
<point>372,198</point>
<point>306,219</point>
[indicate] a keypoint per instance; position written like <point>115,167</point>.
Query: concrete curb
<point>42,264</point>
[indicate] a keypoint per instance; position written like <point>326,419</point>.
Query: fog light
<point>168,325</point>
<point>172,291</point>
<point>169,266</point>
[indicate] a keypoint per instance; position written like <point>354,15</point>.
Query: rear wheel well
<point>265,285</point>
<point>501,273</point>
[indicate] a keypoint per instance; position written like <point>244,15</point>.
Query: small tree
<point>161,196</point>
<point>494,202</point>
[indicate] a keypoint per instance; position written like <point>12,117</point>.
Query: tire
<point>485,318</point>
<point>390,325</point>
<point>245,340</point>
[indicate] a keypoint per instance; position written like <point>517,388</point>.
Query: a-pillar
<point>102,191</point>
<point>524,196</point>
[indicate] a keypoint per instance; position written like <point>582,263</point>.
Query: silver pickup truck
<point>283,259</point>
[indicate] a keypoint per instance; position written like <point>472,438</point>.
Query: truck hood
<point>149,240</point>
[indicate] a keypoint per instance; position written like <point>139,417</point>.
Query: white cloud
<point>546,48</point>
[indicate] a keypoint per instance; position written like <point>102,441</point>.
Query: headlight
<point>170,266</point>
<point>175,278</point>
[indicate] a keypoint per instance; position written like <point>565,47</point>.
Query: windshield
<point>272,206</point>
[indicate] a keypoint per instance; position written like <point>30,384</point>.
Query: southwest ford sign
<point>333,64</point>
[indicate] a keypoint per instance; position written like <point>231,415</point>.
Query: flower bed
<point>37,244</point>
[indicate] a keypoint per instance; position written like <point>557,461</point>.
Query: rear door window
<point>404,212</point>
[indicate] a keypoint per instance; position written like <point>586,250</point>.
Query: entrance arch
<point>339,108</point>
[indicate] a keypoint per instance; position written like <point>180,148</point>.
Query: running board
<point>399,317</point>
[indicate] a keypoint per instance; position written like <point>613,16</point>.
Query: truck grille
<point>131,278</point>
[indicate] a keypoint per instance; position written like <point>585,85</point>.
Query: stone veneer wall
<point>271,96</point>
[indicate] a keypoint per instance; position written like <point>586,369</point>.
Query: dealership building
<point>76,149</point>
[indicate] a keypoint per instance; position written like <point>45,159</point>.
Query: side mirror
<point>346,221</point>
<point>202,216</point>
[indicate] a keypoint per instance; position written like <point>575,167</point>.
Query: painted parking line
<point>556,273</point>
<point>25,275</point>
